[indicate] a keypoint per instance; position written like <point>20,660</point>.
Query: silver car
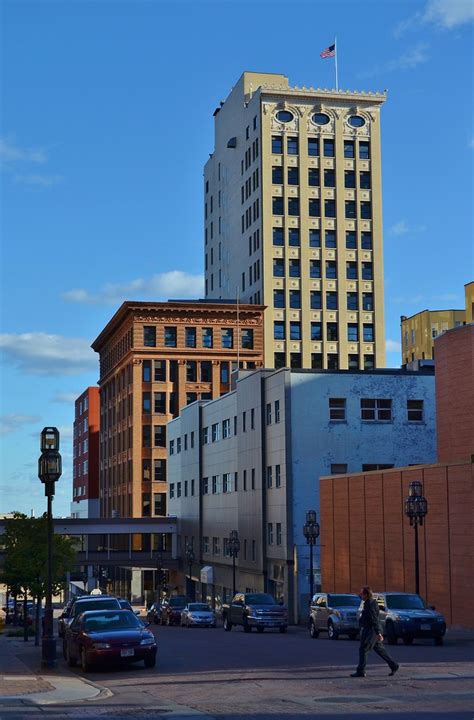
<point>334,613</point>
<point>198,615</point>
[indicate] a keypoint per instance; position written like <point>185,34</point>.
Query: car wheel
<point>391,634</point>
<point>332,632</point>
<point>353,636</point>
<point>227,625</point>
<point>438,640</point>
<point>84,664</point>
<point>408,640</point>
<point>69,659</point>
<point>150,662</point>
<point>312,630</point>
<point>282,628</point>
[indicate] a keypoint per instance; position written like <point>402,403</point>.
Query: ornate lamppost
<point>234,549</point>
<point>190,561</point>
<point>49,471</point>
<point>311,533</point>
<point>416,508</point>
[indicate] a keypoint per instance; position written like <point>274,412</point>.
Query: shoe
<point>358,674</point>
<point>394,670</point>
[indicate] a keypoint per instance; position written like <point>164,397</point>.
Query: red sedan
<point>108,636</point>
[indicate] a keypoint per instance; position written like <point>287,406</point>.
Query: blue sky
<point>106,125</point>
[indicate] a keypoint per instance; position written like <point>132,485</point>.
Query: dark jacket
<point>369,619</point>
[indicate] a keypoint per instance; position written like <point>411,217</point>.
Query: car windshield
<point>405,602</point>
<point>199,607</point>
<point>259,599</point>
<point>112,621</point>
<point>81,607</point>
<point>177,602</point>
<point>343,601</point>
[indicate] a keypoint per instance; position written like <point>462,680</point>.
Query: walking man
<point>371,637</point>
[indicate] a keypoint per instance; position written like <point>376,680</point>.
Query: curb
<point>61,695</point>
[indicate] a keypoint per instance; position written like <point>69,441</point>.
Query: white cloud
<point>446,297</point>
<point>13,422</point>
<point>11,153</point>
<point>402,228</point>
<point>449,13</point>
<point>36,180</point>
<point>172,284</point>
<point>64,397</point>
<point>415,55</point>
<point>393,346</point>
<point>39,353</point>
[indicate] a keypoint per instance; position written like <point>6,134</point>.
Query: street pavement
<point>210,674</point>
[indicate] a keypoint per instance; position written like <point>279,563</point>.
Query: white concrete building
<point>251,460</point>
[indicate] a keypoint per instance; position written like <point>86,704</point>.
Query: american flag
<point>328,52</point>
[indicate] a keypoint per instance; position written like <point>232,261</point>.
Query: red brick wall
<point>454,367</point>
<point>366,538</point>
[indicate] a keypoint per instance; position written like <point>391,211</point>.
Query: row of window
<point>79,469</point>
<point>315,205</point>
<point>273,539</point>
<point>314,177</point>
<point>315,235</point>
<point>250,185</point>
<point>316,300</point>
<point>251,154</point>
<point>293,269</point>
<point>79,491</point>
<point>316,331</point>
<point>375,410</point>
<point>81,427</point>
<point>248,552</point>
<point>317,361</point>
<point>190,340</point>
<point>82,406</point>
<point>158,466</point>
<point>250,215</point>
<point>314,147</point>
<point>80,448</point>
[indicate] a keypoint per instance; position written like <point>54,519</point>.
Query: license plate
<point>425,626</point>
<point>127,652</point>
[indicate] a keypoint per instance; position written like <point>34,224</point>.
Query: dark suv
<point>407,616</point>
<point>334,613</point>
<point>171,609</point>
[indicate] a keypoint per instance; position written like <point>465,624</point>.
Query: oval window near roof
<point>284,116</point>
<point>321,118</point>
<point>356,121</point>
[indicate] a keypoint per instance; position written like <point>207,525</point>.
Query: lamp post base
<point>48,653</point>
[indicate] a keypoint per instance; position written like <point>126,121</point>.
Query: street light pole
<point>190,561</point>
<point>311,533</point>
<point>416,508</point>
<point>234,549</point>
<point>49,471</point>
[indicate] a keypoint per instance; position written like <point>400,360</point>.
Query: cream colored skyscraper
<point>293,219</point>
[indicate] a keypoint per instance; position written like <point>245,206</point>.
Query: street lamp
<point>311,533</point>
<point>416,507</point>
<point>49,471</point>
<point>190,561</point>
<point>159,574</point>
<point>234,549</point>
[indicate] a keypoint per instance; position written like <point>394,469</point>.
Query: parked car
<point>83,603</point>
<point>171,609</point>
<point>259,610</point>
<point>154,613</point>
<point>407,616</point>
<point>198,615</point>
<point>125,605</point>
<point>334,613</point>
<point>108,636</point>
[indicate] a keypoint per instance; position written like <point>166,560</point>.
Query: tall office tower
<point>293,219</point>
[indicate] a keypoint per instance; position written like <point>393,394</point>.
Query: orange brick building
<point>365,536</point>
<point>155,358</point>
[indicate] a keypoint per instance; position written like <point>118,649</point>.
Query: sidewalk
<point>23,681</point>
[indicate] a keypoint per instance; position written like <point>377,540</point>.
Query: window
<point>254,551</point>
<point>367,271</point>
<point>364,150</point>
<point>268,411</point>
<point>171,447</point>
<point>173,405</point>
<point>313,177</point>
<point>278,267</point>
<point>415,410</point>
<point>330,239</point>
<point>159,402</point>
<point>353,332</point>
<point>277,411</point>
<point>369,362</point>
<point>349,149</point>
<point>351,240</point>
<point>270,533</point>
<point>190,337</point>
<point>353,362</point>
<point>315,300</point>
<point>278,298</point>
<point>216,546</point>
<point>350,209</point>
<point>159,470</point>
<point>214,484</point>
<point>314,207</point>
<point>277,175</point>
<point>252,419</point>
<point>278,533</point>
<point>277,144</point>
<point>351,270</point>
<point>160,436</point>
<point>278,237</point>
<point>293,176</point>
<point>171,491</point>
<point>331,269</point>
<point>294,268</point>
<point>244,421</point>
<point>227,338</point>
<point>279,360</point>
<point>349,179</point>
<point>331,331</point>
<point>366,210</point>
<point>252,484</point>
<point>205,436</point>
<point>295,299</point>
<point>279,330</point>
<point>328,148</point>
<point>295,361</point>
<point>330,208</point>
<point>364,179</point>
<point>292,145</point>
<point>159,370</point>
<point>293,206</point>
<point>146,399</point>
<point>277,206</point>
<point>224,374</point>
<point>207,339</point>
<point>316,331</point>
<point>205,544</point>
<point>191,397</point>
<point>149,336</point>
<point>313,147</point>
<point>146,436</point>
<point>226,428</point>
<point>146,371</point>
<point>367,301</point>
<point>366,241</point>
<point>215,432</point>
<point>226,482</point>
<point>316,361</point>
<point>376,410</point>
<point>295,330</point>
<point>314,269</point>
<point>178,445</point>
<point>331,301</point>
<point>205,486</point>
<point>338,468</point>
<point>192,443</point>
<point>368,333</point>
<point>294,237</point>
<point>329,178</point>
<point>170,337</point>
<point>269,476</point>
<point>247,339</point>
<point>369,467</point>
<point>191,371</point>
<point>315,238</point>
<point>206,371</point>
<point>337,409</point>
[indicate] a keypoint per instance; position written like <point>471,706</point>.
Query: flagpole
<point>335,62</point>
